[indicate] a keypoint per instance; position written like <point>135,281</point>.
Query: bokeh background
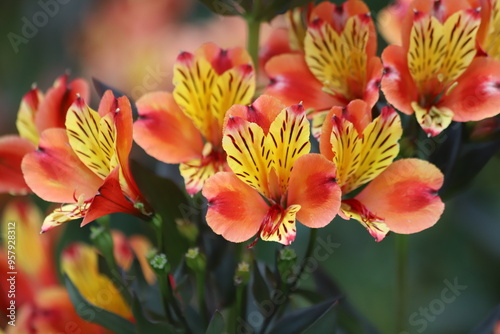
<point>131,45</point>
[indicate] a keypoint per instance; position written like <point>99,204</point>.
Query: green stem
<point>200,286</point>
<point>253,26</point>
<point>173,301</point>
<point>286,289</point>
<point>401,281</point>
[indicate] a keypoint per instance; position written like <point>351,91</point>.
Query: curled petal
<point>64,214</point>
<point>405,196</point>
<point>477,94</point>
<point>55,173</point>
<point>235,210</point>
<point>279,224</point>
<point>293,82</point>
<point>52,110</point>
<point>354,209</point>
<point>12,151</point>
<point>315,190</point>
<point>163,130</point>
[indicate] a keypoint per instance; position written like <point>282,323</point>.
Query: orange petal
<point>477,94</point>
<point>292,82</point>
<point>110,199</point>
<point>12,151</point>
<point>163,130</point>
<point>315,190</point>
<point>397,84</point>
<point>262,111</point>
<point>141,247</point>
<point>223,59</point>
<point>235,210</point>
<point>405,195</point>
<point>52,110</point>
<point>374,72</point>
<point>55,173</point>
<point>353,209</point>
<point>277,43</point>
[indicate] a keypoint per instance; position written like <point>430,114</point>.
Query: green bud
<point>187,229</point>
<point>103,241</point>
<point>159,263</point>
<point>286,263</point>
<point>195,260</point>
<point>242,274</point>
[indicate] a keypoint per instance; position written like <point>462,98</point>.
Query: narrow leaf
<point>216,325</point>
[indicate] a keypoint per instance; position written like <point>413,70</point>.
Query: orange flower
<point>489,31</point>
<point>36,113</point>
<point>186,126</point>
<point>86,164</point>
<point>271,183</point>
<point>436,74</point>
<point>402,195</point>
<point>42,305</point>
<point>338,64</point>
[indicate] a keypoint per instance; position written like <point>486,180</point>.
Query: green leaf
<point>300,320</point>
<point>146,323</point>
<point>169,201</point>
<point>217,324</point>
<point>260,288</point>
<point>488,324</point>
<point>95,314</point>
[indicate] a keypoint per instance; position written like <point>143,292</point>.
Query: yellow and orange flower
<point>86,164</point>
<point>338,64</point>
<point>436,73</point>
<point>271,183</point>
<point>401,196</point>
<point>43,306</point>
<point>37,112</point>
<point>489,31</point>
<point>186,126</point>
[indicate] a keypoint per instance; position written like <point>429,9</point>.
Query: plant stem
<point>288,288</point>
<point>253,26</point>
<point>200,285</point>
<point>401,281</point>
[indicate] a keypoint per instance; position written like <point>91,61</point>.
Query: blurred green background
<point>463,246</point>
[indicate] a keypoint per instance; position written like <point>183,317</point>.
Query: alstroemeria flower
<point>36,114</point>
<point>402,195</point>
<point>186,126</point>
<point>338,64</point>
<point>42,305</point>
<point>79,262</point>
<point>436,74</point>
<point>86,164</point>
<point>274,180</point>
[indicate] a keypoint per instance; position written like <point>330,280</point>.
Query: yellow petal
<point>248,155</point>
<point>194,79</point>
<point>339,61</point>
<point>92,138</point>
<point>460,31</point>
<point>492,40</point>
<point>353,209</point>
<point>25,122</point>
<point>427,49</point>
<point>64,214</point>
<point>235,86</point>
<point>79,262</point>
<point>280,225</point>
<point>379,147</point>
<point>433,120</point>
<point>346,148</point>
<point>288,139</point>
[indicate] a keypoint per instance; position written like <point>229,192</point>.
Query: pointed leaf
<point>260,289</point>
<point>216,325</point>
<point>300,320</point>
